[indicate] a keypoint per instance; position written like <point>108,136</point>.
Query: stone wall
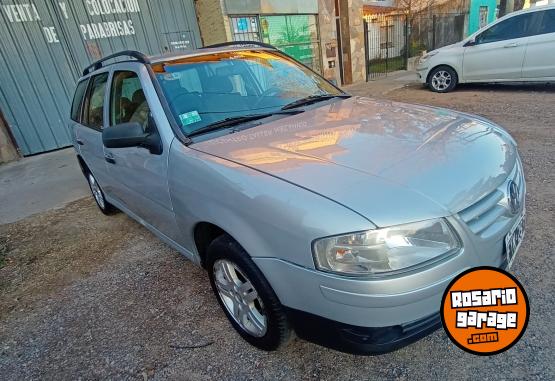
<point>356,31</point>
<point>213,24</point>
<point>7,149</point>
<point>328,40</point>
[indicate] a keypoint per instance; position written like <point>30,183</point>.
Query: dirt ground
<point>85,296</point>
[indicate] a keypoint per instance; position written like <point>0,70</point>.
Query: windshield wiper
<point>312,99</point>
<point>235,120</point>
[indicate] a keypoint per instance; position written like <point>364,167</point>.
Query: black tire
<point>278,332</point>
<point>98,196</point>
<point>446,80</point>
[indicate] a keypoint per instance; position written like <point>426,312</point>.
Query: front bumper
<point>375,315</point>
<point>360,340</point>
<point>422,73</point>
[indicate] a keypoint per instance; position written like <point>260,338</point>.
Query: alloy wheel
<point>97,193</point>
<point>441,80</point>
<point>240,298</point>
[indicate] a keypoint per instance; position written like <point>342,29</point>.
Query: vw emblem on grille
<point>513,196</point>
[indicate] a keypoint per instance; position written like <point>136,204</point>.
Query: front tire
<point>98,195</point>
<point>245,295</point>
<point>443,79</point>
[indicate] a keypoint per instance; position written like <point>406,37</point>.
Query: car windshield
<point>204,90</point>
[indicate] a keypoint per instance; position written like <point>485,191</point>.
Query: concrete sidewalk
<point>39,183</point>
<point>378,87</point>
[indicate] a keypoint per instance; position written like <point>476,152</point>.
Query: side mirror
<point>131,135</point>
<point>471,42</point>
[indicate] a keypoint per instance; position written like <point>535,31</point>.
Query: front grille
<point>491,213</point>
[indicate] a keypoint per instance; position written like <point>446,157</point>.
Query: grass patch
<point>386,66</point>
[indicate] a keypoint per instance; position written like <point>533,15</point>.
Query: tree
<point>415,6</point>
<point>519,4</point>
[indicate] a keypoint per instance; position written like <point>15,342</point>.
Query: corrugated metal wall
<point>44,45</point>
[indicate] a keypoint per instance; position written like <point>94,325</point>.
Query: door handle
<point>512,45</point>
<point>80,142</point>
<point>109,158</point>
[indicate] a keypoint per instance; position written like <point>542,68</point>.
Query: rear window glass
<point>78,100</point>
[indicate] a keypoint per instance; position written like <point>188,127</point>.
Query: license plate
<point>513,239</point>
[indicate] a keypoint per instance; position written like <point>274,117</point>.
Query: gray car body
<point>344,165</point>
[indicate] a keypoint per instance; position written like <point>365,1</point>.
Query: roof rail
<point>241,43</point>
<point>140,57</point>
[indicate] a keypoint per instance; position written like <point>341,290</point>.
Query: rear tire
<point>443,79</point>
<point>245,295</point>
<point>98,195</point>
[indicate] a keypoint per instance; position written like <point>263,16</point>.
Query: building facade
<point>480,14</point>
<point>45,44</point>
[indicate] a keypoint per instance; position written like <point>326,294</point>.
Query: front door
<point>138,177</point>
<point>498,52</point>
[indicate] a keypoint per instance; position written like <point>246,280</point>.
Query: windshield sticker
<point>172,76</point>
<point>189,117</point>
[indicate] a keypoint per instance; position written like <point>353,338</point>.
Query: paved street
<point>96,297</point>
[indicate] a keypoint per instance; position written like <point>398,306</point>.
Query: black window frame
<point>79,113</point>
<point>86,101</point>
<point>532,15</point>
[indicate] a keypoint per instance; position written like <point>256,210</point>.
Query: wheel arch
<point>203,234</point>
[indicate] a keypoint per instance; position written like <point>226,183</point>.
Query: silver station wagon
<point>339,218</point>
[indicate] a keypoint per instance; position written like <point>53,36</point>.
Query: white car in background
<point>519,47</point>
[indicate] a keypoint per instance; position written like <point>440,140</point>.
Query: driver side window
<point>127,100</point>
<point>514,27</point>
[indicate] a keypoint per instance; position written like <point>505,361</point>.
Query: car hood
<point>452,46</point>
<point>448,48</point>
<point>390,162</point>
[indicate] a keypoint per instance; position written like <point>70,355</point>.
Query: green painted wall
<point>474,13</point>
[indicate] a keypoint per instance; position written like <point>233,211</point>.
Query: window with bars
<point>245,28</point>
<point>483,16</point>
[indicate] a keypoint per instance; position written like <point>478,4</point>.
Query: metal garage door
<point>44,44</point>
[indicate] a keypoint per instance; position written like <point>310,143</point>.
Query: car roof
<point>233,46</point>
<point>200,52</point>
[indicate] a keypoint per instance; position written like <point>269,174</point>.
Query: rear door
<point>138,178</point>
<point>498,53</point>
<point>77,110</point>
<point>88,133</point>
<point>539,61</point>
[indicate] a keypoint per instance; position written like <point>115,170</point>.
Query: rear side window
<point>94,104</point>
<point>78,100</point>
<point>548,22</point>
<point>514,27</point>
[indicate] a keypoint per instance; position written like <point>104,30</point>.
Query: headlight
<point>428,55</point>
<point>385,251</point>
